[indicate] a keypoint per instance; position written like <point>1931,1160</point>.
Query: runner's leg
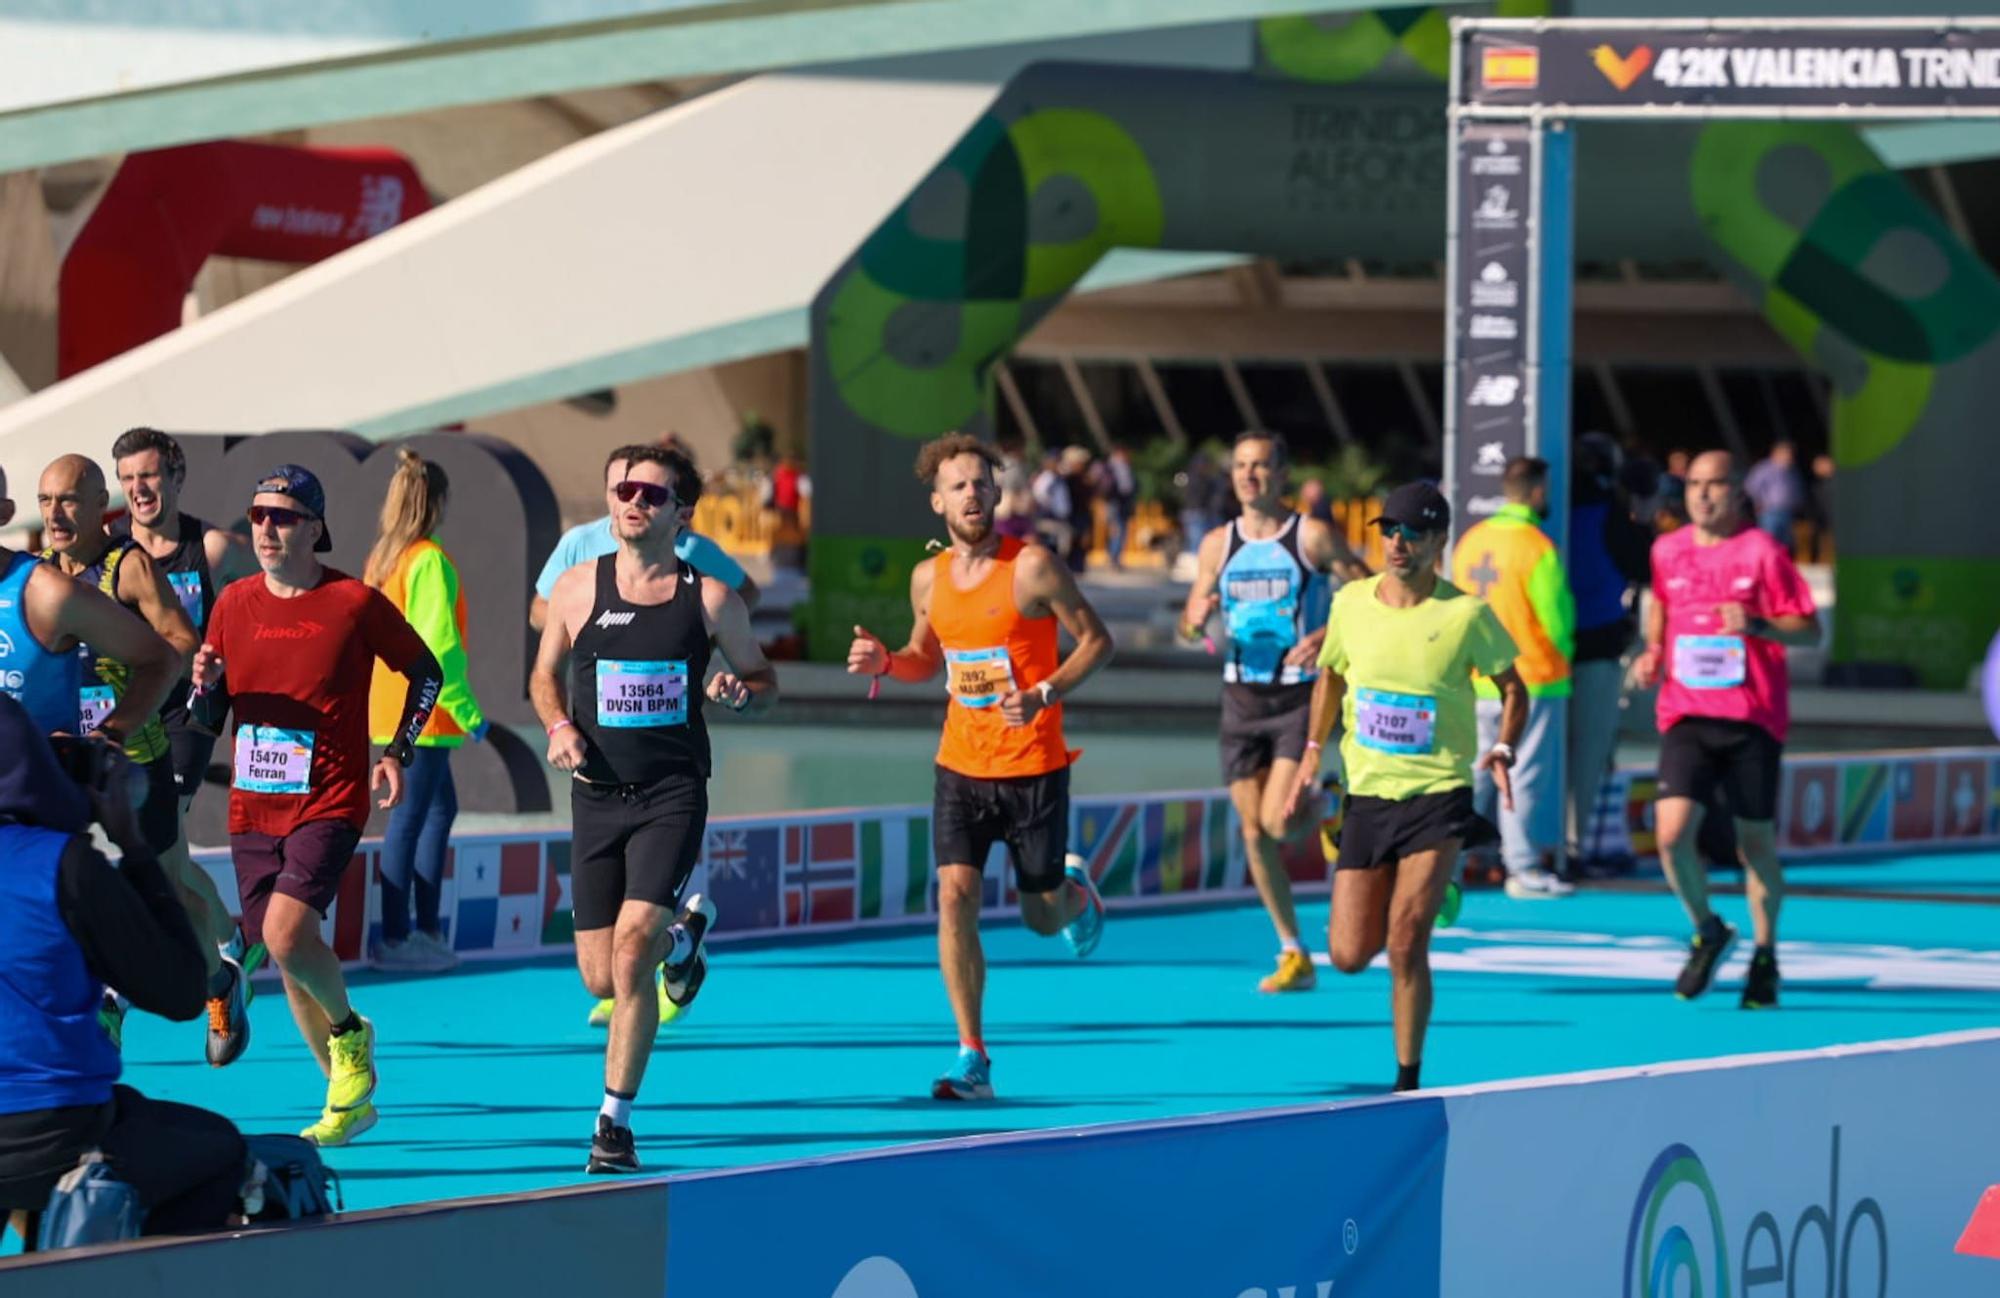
<point>1274,885</point>
<point>1418,888</point>
<point>1676,827</point>
<point>1763,876</point>
<point>638,944</point>
<point>1358,926</point>
<point>960,956</point>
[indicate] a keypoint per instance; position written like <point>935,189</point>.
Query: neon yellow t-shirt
<point>1408,722</point>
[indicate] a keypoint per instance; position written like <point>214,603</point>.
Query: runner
<point>73,499</point>
<point>1397,670</point>
<point>987,610</point>
<point>1727,600</point>
<point>198,561</point>
<point>1267,573</point>
<point>291,653</point>
<point>637,627</point>
<point>44,618</point>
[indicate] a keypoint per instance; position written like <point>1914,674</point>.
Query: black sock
<point>352,1023</point>
<point>1767,951</point>
<point>1406,1076</point>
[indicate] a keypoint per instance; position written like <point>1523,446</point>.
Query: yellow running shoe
<point>600,1014</point>
<point>339,1128</point>
<point>1295,973</point>
<point>351,1083</point>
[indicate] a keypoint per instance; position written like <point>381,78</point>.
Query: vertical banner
<point>1489,414</point>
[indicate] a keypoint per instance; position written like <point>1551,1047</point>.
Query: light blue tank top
<point>1271,599</point>
<point>44,683</point>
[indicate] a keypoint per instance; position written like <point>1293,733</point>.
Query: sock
<point>617,1106</point>
<point>682,946</point>
<point>1406,1076</point>
<point>352,1023</point>
<point>1768,951</point>
<point>218,982</point>
<point>979,1046</point>
<point>1290,944</point>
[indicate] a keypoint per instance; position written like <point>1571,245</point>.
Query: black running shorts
<point>1029,813</point>
<point>1701,754</point>
<point>633,842</point>
<point>1262,723</point>
<point>1382,831</point>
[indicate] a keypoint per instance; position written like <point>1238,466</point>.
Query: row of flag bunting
<point>510,892</point>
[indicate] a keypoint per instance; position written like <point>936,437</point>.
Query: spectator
<point>409,566</point>
<point>1314,503</point>
<point>1119,485</point>
<point>1015,514</point>
<point>1075,467</point>
<point>1197,488</point>
<point>785,491</point>
<point>71,923</point>
<point>1511,564</point>
<point>1609,554</point>
<point>1822,507</point>
<point>1673,488</point>
<point>1777,493</point>
<point>1054,518</point>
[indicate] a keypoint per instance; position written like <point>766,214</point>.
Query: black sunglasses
<point>655,495</point>
<point>1410,535</point>
<point>277,516</point>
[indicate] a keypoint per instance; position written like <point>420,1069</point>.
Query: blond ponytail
<point>411,509</point>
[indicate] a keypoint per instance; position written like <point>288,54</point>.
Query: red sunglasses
<point>655,495</point>
<point>276,516</point>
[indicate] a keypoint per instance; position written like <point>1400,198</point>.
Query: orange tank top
<point>990,650</point>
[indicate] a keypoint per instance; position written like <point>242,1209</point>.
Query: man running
<point>73,499</point>
<point>198,561</point>
<point>44,618</point>
<point>1397,670</point>
<point>1727,600</point>
<point>637,628</point>
<point>986,610</point>
<point>292,652</point>
<point>1267,573</point>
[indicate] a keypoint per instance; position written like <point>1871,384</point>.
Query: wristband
<point>1313,745</point>
<point>875,682</point>
<point>401,753</point>
<point>559,725</point>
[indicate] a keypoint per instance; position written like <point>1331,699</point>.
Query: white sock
<point>618,1108</point>
<point>682,946</point>
<point>1289,944</point>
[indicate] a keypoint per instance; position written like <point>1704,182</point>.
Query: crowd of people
<point>125,652</point>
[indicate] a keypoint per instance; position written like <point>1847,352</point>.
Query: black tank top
<point>635,678</point>
<point>186,566</point>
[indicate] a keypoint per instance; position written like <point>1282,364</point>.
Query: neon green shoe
<point>111,1017</point>
<point>600,1014</point>
<point>339,1128</point>
<point>351,1083</point>
<point>1454,902</point>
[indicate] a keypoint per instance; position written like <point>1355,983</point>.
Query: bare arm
<point>1329,694</point>
<point>749,592</point>
<point>230,557</point>
<point>538,613</point>
<point>1513,720</point>
<point>63,613</point>
<point>1327,551</point>
<point>750,686</point>
<point>917,661</point>
<point>545,680</point>
<point>1044,584</point>
<point>1202,600</point>
<point>143,586</point>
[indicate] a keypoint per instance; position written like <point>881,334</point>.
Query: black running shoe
<point>1760,987</point>
<point>611,1151</point>
<point>1705,954</point>
<point>682,981</point>
<point>229,1018</point>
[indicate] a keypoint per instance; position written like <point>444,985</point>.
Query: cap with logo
<point>299,483</point>
<point>1416,504</point>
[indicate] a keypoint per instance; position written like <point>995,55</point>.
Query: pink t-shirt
<point>1705,672</point>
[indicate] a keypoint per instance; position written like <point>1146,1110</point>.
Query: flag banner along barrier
<point>509,893</point>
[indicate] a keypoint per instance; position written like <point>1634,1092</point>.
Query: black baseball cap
<point>1418,505</point>
<point>299,483</point>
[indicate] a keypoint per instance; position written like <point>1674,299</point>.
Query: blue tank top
<point>53,1054</point>
<point>1593,576</point>
<point>45,683</point>
<point>1271,599</point>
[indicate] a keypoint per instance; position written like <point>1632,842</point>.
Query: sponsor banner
<point>1311,1203</point>
<point>1584,65</point>
<point>1810,1173</point>
<point>1490,316</point>
<point>821,871</point>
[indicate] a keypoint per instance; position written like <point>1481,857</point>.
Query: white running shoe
<point>441,956</point>
<point>399,957</point>
<point>1537,885</point>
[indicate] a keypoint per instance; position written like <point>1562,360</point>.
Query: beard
<point>971,533</point>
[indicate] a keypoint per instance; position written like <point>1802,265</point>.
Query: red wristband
<point>559,725</point>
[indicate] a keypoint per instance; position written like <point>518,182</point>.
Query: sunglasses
<point>1410,535</point>
<point>276,516</point>
<point>655,495</point>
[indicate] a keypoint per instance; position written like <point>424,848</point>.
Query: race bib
<point>93,704</point>
<point>1709,662</point>
<point>978,678</point>
<point>187,585</point>
<point>1403,724</point>
<point>635,694</point>
<point>271,759</point>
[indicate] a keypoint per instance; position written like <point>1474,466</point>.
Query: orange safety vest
<point>991,650</point>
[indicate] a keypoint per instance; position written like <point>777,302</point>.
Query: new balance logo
<point>608,619</point>
<point>1494,390</point>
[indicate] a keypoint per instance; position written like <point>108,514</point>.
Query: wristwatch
<point>1504,752</point>
<point>1047,690</point>
<point>402,752</point>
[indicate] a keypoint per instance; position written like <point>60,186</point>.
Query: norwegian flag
<point>820,862</point>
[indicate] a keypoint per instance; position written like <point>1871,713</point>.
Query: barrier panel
<point>507,894</point>
<point>1838,1171</point>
